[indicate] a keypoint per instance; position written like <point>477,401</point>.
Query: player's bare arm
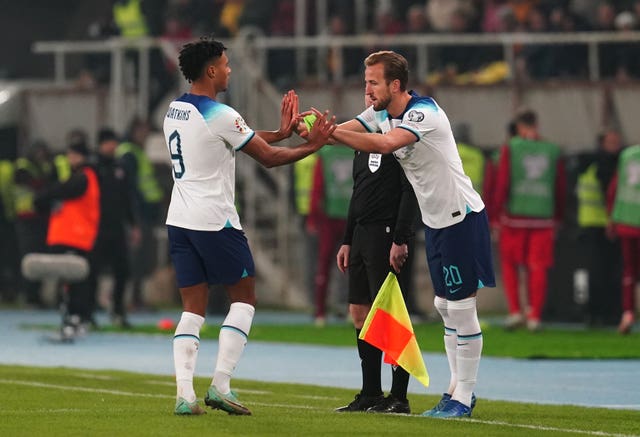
<point>374,142</point>
<point>270,156</point>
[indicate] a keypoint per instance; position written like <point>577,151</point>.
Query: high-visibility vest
<point>592,211</point>
<point>533,177</point>
<point>7,189</point>
<point>473,163</point>
<point>63,167</point>
<point>75,223</point>
<point>130,19</point>
<point>303,182</point>
<point>24,195</point>
<point>147,183</point>
<point>626,207</point>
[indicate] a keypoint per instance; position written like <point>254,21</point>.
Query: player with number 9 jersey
<point>203,137</point>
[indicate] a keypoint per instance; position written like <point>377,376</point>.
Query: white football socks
<point>231,342</point>
<point>185,353</point>
<point>464,316</point>
<point>450,341</point>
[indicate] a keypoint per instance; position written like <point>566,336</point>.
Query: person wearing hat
<point>116,223</point>
<point>73,228</point>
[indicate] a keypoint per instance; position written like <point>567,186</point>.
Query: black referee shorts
<point>369,261</point>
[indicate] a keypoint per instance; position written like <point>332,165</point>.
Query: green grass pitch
<point>74,402</point>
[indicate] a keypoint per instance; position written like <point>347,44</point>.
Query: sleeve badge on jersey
<point>241,126</point>
<point>415,116</point>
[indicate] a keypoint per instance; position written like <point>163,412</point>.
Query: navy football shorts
<point>459,257</point>
<point>214,257</point>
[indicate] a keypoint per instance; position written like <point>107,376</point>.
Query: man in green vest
<point>147,202</point>
<point>33,173</point>
<point>330,195</point>
<point>623,201</point>
<point>529,198</point>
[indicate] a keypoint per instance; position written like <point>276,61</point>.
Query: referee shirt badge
<point>375,159</point>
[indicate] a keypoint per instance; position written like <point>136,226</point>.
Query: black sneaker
<point>391,404</point>
<point>361,403</point>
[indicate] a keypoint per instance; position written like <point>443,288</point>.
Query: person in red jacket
<point>623,207</point>
<point>530,189</point>
<point>73,228</point>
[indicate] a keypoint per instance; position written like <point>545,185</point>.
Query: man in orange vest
<point>73,228</point>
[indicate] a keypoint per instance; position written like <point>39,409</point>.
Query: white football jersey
<point>432,164</point>
<point>202,136</point>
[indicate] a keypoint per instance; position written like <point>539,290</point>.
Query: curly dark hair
<point>194,56</point>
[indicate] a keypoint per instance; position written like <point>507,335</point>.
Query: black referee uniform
<point>383,210</point>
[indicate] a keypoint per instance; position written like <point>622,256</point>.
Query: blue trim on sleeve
<point>244,143</point>
<point>403,126</point>
<point>364,123</point>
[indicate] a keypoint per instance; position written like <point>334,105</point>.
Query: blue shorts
<point>214,257</point>
<point>459,257</point>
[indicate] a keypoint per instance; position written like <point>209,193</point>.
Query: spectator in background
<point>491,19</point>
<point>570,59</point>
<point>623,203</point>
<point>332,186</point>
<point>9,262</point>
<point>417,24</point>
<point>627,62</point>
<point>538,59</point>
<point>258,13</point>
<point>601,253</point>
<point>147,205</point>
<point>281,61</point>
<point>302,184</point>
<point>530,198</point>
<point>342,61</point>
<point>441,12</point>
<point>34,172</point>
<point>137,19</point>
<point>116,219</point>
<point>230,16</point>
<point>417,21</point>
<point>73,228</point>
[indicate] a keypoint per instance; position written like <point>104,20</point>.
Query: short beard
<point>381,104</point>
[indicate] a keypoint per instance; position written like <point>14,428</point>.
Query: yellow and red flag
<point>388,327</point>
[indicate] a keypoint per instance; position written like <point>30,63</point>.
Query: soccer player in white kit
<point>207,243</point>
<point>417,131</point>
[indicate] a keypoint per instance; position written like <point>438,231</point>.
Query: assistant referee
<point>382,214</point>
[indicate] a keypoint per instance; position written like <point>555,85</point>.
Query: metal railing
<point>259,46</point>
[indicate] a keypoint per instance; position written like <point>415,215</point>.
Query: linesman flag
<point>388,327</point>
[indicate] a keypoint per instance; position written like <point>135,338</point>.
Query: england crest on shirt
<point>375,159</point>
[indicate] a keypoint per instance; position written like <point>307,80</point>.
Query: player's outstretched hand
<point>322,128</point>
<point>289,116</point>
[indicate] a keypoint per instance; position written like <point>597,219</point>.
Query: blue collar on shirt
<point>415,98</point>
